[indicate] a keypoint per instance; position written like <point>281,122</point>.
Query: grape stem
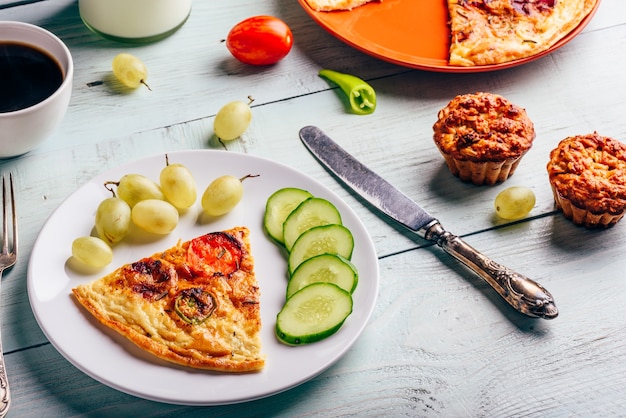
<point>248,176</point>
<point>106,186</point>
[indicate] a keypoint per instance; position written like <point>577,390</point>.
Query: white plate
<point>114,361</point>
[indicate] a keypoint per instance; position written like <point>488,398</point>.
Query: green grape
<point>178,185</point>
<point>222,195</point>
<point>134,188</point>
<point>92,251</point>
<point>112,220</point>
<point>129,70</point>
<point>232,120</point>
<point>514,202</point>
<point>155,216</point>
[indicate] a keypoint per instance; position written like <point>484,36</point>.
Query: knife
<point>522,293</point>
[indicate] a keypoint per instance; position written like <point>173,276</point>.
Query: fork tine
<point>14,215</point>
<point>5,236</point>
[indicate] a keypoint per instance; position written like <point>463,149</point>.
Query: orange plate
<point>411,33</point>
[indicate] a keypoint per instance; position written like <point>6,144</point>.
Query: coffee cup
<point>36,74</point>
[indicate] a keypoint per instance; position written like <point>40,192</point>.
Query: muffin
<point>588,178</point>
<point>483,137</point>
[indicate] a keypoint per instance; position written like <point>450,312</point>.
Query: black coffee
<point>27,76</point>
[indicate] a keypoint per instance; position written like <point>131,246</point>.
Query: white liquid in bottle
<point>134,20</point>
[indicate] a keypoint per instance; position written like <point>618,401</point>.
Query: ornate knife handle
<point>522,293</point>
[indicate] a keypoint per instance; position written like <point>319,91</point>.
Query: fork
<point>8,258</point>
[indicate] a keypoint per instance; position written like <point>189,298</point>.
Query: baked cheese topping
<point>195,304</point>
<point>483,127</point>
<point>590,172</point>
<point>485,32</point>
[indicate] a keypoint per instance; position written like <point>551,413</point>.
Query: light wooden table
<point>440,342</point>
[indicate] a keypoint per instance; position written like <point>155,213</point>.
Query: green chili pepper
<point>361,95</point>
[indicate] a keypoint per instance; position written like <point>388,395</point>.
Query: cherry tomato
<point>216,253</point>
<point>260,40</point>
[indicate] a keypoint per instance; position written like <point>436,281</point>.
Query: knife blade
<point>523,294</point>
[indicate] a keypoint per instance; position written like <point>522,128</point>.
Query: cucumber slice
<point>313,313</point>
<point>314,211</point>
<point>324,239</point>
<point>330,268</point>
<point>279,205</point>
